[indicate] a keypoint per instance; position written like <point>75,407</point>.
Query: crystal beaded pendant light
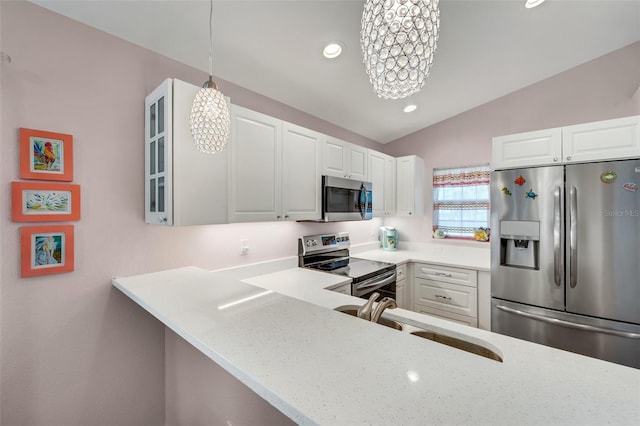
<point>398,40</point>
<point>209,118</point>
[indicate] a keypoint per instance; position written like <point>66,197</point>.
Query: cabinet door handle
<point>442,274</point>
<point>438,296</point>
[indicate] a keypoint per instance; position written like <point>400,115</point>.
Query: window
<point>461,202</point>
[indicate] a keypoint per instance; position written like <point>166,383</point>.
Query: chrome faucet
<point>364,311</point>
<point>385,303</point>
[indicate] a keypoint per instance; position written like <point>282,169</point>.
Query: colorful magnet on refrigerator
<point>608,176</point>
<point>630,186</point>
<point>531,194</point>
<point>506,191</point>
<point>520,180</point>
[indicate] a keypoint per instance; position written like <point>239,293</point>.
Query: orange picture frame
<point>46,249</point>
<point>44,202</point>
<point>46,155</point>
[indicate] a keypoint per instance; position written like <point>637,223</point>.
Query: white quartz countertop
<point>277,332</point>
<point>446,254</point>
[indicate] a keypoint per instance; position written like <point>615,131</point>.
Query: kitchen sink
<point>353,311</point>
<point>444,339</point>
<point>458,344</point>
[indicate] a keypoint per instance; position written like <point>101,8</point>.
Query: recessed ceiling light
<point>532,3</point>
<point>410,108</point>
<point>332,50</point>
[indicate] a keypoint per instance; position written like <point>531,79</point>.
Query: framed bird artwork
<point>44,201</point>
<point>46,155</point>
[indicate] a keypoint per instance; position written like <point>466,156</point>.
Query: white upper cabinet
<point>183,186</point>
<point>382,175</point>
<point>409,186</point>
<point>344,159</point>
<point>274,169</point>
<point>598,141</point>
<point>301,177</point>
<point>537,148</point>
<point>602,140</point>
<point>255,169</point>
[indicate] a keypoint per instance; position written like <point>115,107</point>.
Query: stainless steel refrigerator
<point>565,257</point>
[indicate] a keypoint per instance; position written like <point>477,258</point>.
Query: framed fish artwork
<point>46,155</point>
<point>47,249</point>
<point>44,202</point>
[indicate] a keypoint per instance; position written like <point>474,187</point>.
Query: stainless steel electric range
<point>330,253</point>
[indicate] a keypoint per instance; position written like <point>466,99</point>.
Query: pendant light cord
<point>211,40</point>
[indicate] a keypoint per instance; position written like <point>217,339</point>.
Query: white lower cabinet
<point>401,286</point>
<point>446,292</point>
<point>461,319</point>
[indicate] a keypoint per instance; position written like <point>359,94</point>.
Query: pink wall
<point>607,87</point>
<point>74,350</point>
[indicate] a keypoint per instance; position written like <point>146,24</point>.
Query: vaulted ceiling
<point>486,49</point>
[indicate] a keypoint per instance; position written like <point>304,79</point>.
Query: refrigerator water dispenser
<point>520,244</point>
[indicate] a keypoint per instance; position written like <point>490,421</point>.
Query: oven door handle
<point>380,281</point>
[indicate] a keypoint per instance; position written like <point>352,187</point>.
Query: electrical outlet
<point>244,247</point>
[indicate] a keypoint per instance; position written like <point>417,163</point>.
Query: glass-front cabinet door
<point>157,155</point>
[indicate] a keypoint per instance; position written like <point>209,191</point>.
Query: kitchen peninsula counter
<point>278,334</point>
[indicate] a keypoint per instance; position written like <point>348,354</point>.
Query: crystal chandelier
<point>398,41</point>
<point>209,118</point>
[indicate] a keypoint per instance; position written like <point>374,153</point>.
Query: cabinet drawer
<point>448,297</point>
<point>401,272</point>
<point>468,277</point>
<point>461,319</point>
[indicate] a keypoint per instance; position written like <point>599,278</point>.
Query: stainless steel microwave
<point>346,199</point>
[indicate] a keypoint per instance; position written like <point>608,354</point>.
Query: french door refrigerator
<point>565,257</point>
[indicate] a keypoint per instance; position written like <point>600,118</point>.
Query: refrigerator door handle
<point>573,237</point>
<point>557,267</point>
<point>569,324</point>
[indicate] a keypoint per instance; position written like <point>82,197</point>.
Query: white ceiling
<point>486,49</point>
